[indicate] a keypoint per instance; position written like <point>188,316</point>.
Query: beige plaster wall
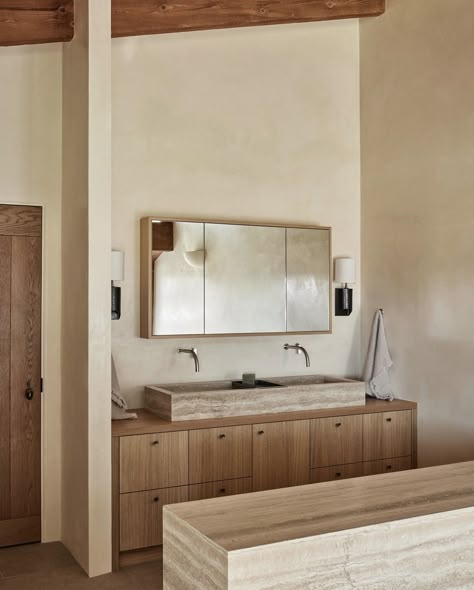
<point>418,209</point>
<point>258,124</point>
<point>30,173</point>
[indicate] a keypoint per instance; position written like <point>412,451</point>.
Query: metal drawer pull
<point>221,435</point>
<point>156,499</point>
<point>261,432</point>
<point>389,419</point>
<point>155,443</point>
<point>338,424</point>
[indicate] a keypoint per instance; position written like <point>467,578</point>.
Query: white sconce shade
<point>118,265</point>
<point>344,270</point>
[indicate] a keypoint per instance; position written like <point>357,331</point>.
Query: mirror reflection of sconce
<point>344,273</point>
<point>118,274</point>
<point>195,258</point>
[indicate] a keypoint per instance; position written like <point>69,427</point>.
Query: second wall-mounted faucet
<point>193,353</point>
<point>299,349</point>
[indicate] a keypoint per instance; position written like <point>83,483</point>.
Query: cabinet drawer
<point>152,461</point>
<point>281,454</point>
<point>387,465</point>
<point>216,489</point>
<point>337,472</point>
<point>387,435</point>
<point>336,441</point>
<point>220,453</point>
<point>141,516</point>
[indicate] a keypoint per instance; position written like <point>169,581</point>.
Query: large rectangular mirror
<point>207,278</point>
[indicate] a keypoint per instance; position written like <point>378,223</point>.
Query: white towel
<point>119,405</point>
<point>378,362</point>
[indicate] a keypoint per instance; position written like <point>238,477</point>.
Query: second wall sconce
<point>118,274</point>
<point>345,274</point>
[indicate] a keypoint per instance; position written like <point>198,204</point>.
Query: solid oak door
<point>281,454</point>
<point>20,374</point>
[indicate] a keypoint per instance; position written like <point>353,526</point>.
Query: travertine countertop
<point>251,520</point>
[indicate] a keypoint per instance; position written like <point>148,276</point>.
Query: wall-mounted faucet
<point>193,352</point>
<point>299,349</point>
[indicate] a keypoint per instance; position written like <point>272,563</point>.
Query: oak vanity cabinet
<point>280,454</point>
<point>156,462</point>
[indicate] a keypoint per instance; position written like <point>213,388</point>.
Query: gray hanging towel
<point>379,361</point>
<point>119,405</point>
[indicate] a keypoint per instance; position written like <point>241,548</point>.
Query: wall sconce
<point>118,274</point>
<point>344,273</point>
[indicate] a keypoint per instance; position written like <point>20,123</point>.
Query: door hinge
<point>41,384</point>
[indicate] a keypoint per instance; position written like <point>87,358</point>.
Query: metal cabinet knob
<point>338,474</point>
<point>388,467</point>
<point>222,491</point>
<point>260,432</point>
<point>338,424</point>
<point>156,499</point>
<point>221,436</point>
<point>155,443</point>
<point>389,419</point>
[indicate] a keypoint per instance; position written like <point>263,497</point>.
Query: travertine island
<point>410,530</point>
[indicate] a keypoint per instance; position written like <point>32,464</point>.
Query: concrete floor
<point>51,567</point>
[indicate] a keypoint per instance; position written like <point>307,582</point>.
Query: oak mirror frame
<point>202,278</point>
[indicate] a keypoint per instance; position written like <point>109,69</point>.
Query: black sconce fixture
<point>344,273</point>
<point>118,265</point>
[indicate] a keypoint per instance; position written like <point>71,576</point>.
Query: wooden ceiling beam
<point>23,22</point>
<point>150,17</point>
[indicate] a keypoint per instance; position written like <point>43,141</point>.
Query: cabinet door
<point>220,453</point>
<point>152,461</point>
<point>387,465</point>
<point>387,435</point>
<point>336,441</point>
<point>141,516</point>
<point>337,472</point>
<point>216,489</point>
<point>281,454</point>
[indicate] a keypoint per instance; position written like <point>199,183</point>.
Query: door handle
<point>29,393</point>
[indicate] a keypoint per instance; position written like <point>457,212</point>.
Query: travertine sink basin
<point>217,399</point>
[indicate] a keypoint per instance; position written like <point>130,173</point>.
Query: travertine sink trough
<point>217,399</point>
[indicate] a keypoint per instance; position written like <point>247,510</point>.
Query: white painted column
<point>86,238</point>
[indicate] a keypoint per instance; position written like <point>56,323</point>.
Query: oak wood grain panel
<point>25,368</point>
<point>36,21</point>
<point>137,556</point>
<point>337,472</point>
<point>115,504</point>
<point>5,361</point>
<point>141,516</point>
<point>251,520</point>
<point>146,276</point>
<point>217,489</point>
<point>281,454</point>
<point>18,531</point>
<point>387,435</point>
<point>387,465</point>
<point>147,17</point>
<point>19,220</point>
<point>148,422</point>
<point>336,441</point>
<point>153,461</point>
<point>220,453</point>
<point>414,438</point>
